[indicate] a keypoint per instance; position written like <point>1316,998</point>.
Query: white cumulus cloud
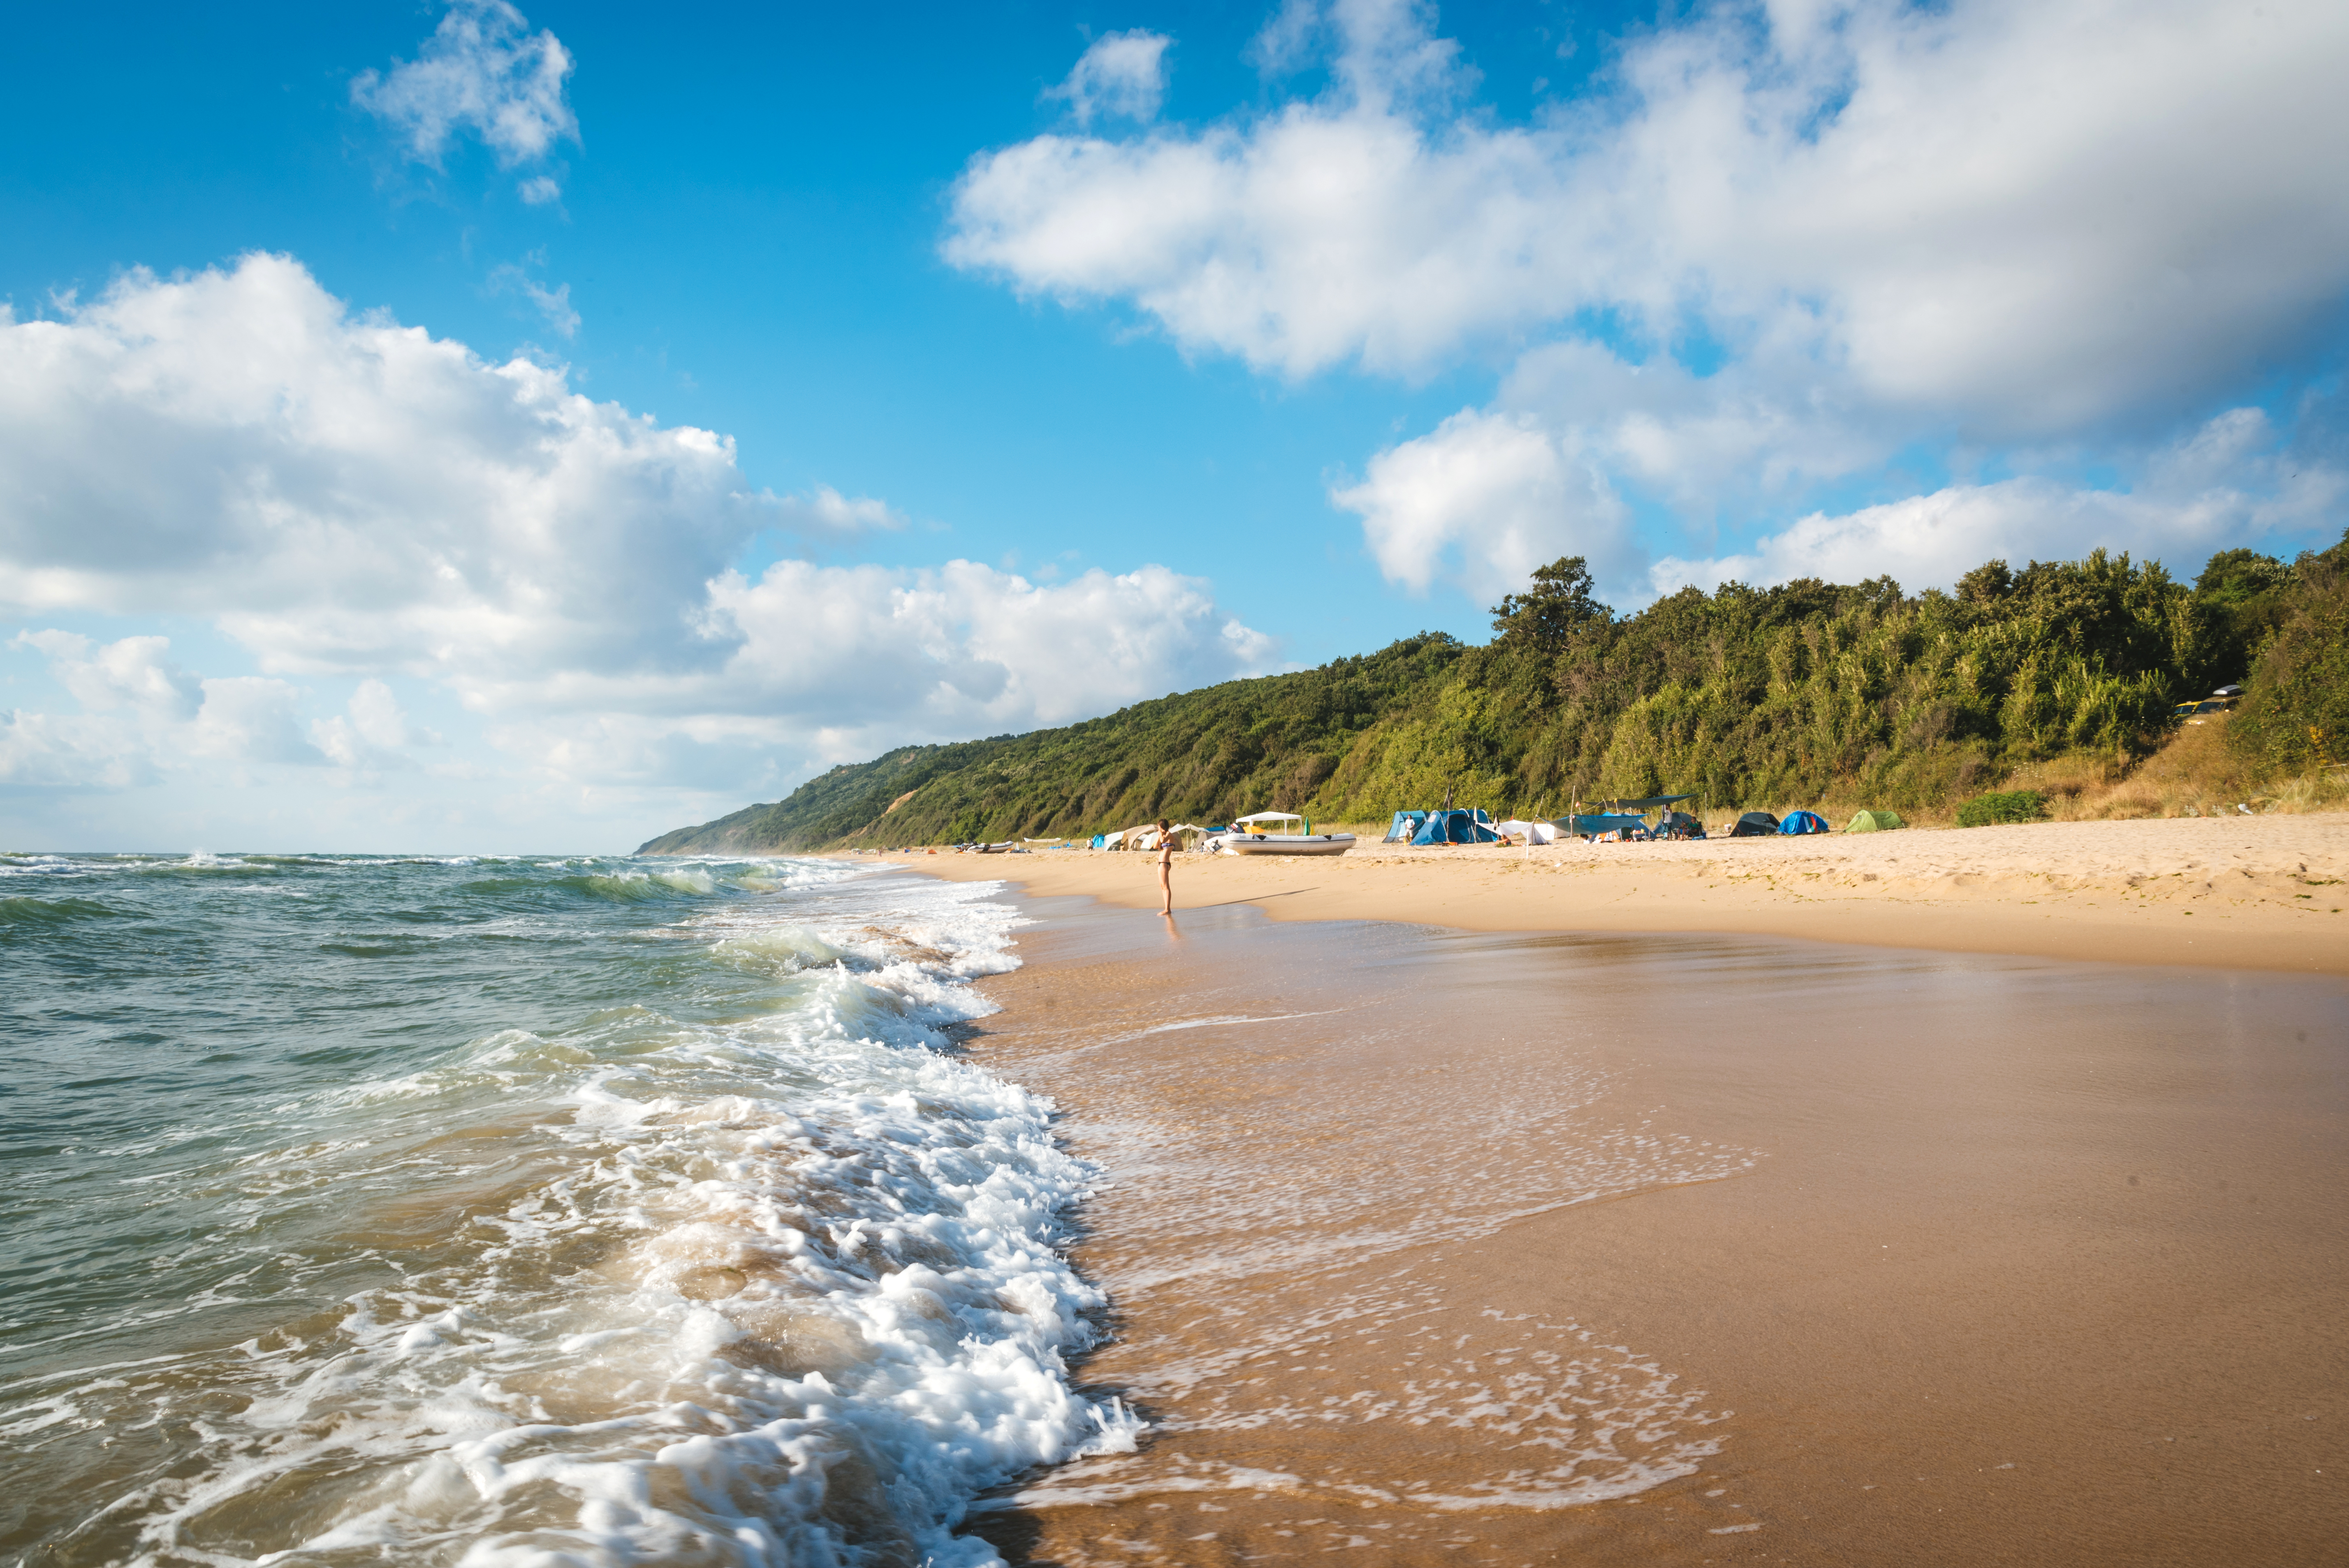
<point>2224,484</point>
<point>2028,215</point>
<point>824,510</point>
<point>481,70</point>
<point>142,716</point>
<point>1120,76</point>
<point>2063,239</point>
<point>347,497</point>
<point>1483,501</point>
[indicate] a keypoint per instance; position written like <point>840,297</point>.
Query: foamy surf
<point>726,1258</point>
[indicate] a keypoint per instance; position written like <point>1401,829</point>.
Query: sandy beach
<point>1510,1243</point>
<point>2250,893</point>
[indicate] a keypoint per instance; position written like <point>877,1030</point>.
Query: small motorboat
<point>1265,834</point>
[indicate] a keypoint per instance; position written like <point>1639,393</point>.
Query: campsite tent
<point>1591,824</point>
<point>1804,822</point>
<point>1531,832</point>
<point>1456,828</point>
<point>1754,825</point>
<point>1405,825</point>
<point>1873,822</point>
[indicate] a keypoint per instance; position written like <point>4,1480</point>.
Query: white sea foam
<point>781,1288</point>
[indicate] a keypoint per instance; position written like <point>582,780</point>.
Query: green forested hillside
<point>1268,740</point>
<point>1806,692</point>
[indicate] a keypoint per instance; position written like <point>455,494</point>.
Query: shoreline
<point>1881,1255</point>
<point>2256,893</point>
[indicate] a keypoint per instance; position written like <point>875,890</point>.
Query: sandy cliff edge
<point>2249,893</point>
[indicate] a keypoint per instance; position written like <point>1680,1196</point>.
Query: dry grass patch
<point>2196,774</point>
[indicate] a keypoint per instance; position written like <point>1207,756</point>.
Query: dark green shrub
<point>2003,806</point>
<point>2295,711</point>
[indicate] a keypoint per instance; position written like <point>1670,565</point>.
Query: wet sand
<point>1486,1248</point>
<point>2245,892</point>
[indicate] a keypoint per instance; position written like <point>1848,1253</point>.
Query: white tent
<point>1531,832</point>
<point>1146,837</point>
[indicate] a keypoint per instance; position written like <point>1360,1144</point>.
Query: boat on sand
<point>1255,835</point>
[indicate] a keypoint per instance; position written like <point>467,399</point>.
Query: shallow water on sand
<point>527,1210</point>
<point>1445,1247</point>
<point>1295,1124</point>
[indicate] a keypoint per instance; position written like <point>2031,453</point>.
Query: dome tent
<point>1804,822</point>
<point>1754,825</point>
<point>1456,828</point>
<point>1874,822</point>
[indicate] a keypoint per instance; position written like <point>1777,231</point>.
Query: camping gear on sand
<point>1531,832</point>
<point>1456,828</point>
<point>1591,824</point>
<point>1405,825</point>
<point>1873,822</point>
<point>1146,837</point>
<point>1754,825</point>
<point>1804,822</point>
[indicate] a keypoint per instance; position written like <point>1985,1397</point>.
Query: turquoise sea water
<point>517,1210</point>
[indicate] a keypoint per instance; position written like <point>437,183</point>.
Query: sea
<point>534,1210</point>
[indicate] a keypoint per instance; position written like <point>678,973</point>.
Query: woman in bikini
<point>1166,864</point>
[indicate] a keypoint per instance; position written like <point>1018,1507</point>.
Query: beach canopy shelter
<point>1754,825</point>
<point>1112,840</point>
<point>1649,803</point>
<point>1804,822</point>
<point>1146,836</point>
<point>1591,824</point>
<point>1531,832</point>
<point>1873,822</point>
<point>1456,828</point>
<point>1405,825</point>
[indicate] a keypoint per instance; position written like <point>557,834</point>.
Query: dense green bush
<point>2295,714</point>
<point>1750,696</point>
<point>2003,806</point>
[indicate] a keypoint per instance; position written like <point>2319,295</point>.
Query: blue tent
<point>1456,828</point>
<point>1405,825</point>
<point>1803,822</point>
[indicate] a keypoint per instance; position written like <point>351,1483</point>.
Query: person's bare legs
<point>1166,887</point>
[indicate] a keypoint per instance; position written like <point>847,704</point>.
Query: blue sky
<point>480,428</point>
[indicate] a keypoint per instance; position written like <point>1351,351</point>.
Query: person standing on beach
<point>1166,865</point>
